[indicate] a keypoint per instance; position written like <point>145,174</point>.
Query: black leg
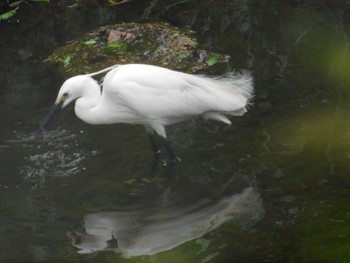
<point>170,151</point>
<point>155,149</point>
<point>154,145</point>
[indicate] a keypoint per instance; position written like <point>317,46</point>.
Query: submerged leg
<point>152,140</point>
<point>159,129</point>
<point>170,151</point>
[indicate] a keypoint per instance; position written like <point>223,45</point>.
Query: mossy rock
<point>150,43</point>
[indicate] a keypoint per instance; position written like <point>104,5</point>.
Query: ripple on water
<point>49,154</point>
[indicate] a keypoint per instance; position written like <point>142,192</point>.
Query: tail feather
<point>216,116</point>
<point>229,94</point>
<point>236,93</point>
<point>239,83</point>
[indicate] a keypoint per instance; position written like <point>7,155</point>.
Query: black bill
<point>49,117</point>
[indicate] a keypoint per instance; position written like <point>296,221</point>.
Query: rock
<point>151,43</point>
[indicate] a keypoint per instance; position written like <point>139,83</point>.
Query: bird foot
<point>175,161</point>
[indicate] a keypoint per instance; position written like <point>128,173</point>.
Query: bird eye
<point>65,94</point>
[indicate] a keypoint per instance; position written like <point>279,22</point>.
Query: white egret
<point>154,97</point>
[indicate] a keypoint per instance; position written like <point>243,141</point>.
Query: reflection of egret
<point>154,97</point>
<point>155,227</point>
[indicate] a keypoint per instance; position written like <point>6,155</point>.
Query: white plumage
<point>155,97</point>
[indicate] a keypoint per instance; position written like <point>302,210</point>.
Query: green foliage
<point>15,5</point>
<point>8,14</point>
<point>67,60</point>
<point>213,60</point>
<point>118,47</point>
<point>92,41</point>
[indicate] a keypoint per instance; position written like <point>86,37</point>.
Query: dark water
<point>273,187</point>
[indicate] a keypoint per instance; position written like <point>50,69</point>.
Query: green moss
<point>153,43</point>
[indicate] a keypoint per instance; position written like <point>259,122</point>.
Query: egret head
<point>71,90</point>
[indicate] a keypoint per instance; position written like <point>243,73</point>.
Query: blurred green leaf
<point>213,60</point>
<point>129,181</point>
<point>67,60</point>
<point>8,14</point>
<point>92,41</point>
<point>118,47</point>
<point>146,180</point>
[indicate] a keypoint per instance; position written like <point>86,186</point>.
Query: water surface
<point>273,187</point>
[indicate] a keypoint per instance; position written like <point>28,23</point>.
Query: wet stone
<point>150,43</point>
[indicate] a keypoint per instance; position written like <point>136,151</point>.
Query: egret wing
<point>158,93</point>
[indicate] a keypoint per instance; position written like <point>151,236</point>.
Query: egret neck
<point>86,106</point>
